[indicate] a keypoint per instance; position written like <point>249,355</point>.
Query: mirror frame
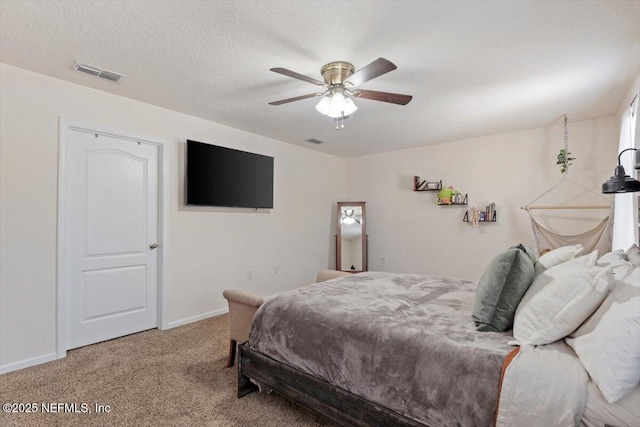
<point>339,237</point>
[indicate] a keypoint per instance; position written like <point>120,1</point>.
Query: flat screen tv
<point>220,176</point>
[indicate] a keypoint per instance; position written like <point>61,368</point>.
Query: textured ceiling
<point>474,68</point>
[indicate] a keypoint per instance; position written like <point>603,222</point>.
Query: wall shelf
<point>461,203</point>
<point>489,215</point>
<point>424,185</point>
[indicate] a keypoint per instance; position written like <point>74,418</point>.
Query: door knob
<point>153,245</point>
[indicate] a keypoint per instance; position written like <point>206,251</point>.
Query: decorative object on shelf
<point>451,196</point>
<point>421,185</point>
<point>446,195</point>
<point>475,215</point>
<point>424,185</point>
<point>564,157</point>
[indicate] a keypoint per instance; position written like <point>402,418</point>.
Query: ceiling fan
<point>340,79</point>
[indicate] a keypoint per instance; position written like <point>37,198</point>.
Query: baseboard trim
<point>38,360</point>
<point>27,363</point>
<point>196,318</point>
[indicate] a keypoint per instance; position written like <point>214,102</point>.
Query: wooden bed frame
<point>336,404</point>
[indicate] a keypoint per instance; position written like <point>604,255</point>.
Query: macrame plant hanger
<point>545,238</point>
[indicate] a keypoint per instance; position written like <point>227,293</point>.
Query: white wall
<point>633,90</point>
<point>413,234</point>
<point>210,249</point>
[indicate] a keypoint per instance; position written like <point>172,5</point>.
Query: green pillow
<point>501,287</point>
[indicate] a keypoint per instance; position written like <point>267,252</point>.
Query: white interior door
<point>111,229</point>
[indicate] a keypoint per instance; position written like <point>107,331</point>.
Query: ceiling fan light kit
<point>336,105</point>
<point>339,79</point>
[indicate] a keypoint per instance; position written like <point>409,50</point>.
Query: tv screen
<point>219,176</point>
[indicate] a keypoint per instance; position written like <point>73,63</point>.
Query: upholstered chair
<point>330,274</point>
<point>242,307</point>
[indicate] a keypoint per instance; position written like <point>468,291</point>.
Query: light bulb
<point>323,105</point>
<point>336,105</point>
<point>349,107</point>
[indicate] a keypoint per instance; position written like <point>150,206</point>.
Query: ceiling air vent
<point>99,72</point>
<point>315,141</point>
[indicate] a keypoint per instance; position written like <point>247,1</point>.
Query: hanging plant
<point>564,157</point>
<point>564,160</point>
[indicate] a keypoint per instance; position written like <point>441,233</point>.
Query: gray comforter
<point>404,341</point>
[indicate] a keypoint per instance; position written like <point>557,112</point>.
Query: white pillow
<point>557,256</point>
<point>618,261</point>
<point>632,278</point>
<point>633,255</point>
<point>608,344</point>
<point>560,299</point>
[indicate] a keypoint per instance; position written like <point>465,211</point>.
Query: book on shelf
<point>422,185</point>
<point>416,182</point>
<point>434,185</point>
<point>490,212</point>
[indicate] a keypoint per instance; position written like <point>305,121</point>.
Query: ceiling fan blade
<point>298,76</point>
<point>297,98</point>
<point>377,68</point>
<point>393,98</point>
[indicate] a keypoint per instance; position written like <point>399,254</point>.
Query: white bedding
<point>598,412</point>
<point>543,386</point>
<point>547,385</point>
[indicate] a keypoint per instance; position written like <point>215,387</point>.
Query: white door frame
<point>66,126</point>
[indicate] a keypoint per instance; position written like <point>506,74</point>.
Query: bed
<point>400,349</point>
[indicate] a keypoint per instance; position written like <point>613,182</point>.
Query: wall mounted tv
<point>220,176</point>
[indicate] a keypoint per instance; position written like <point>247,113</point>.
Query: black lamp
<point>620,182</point>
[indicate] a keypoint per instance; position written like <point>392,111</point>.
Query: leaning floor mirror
<point>351,240</point>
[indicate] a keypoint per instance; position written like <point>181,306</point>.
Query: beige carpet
<point>153,378</point>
